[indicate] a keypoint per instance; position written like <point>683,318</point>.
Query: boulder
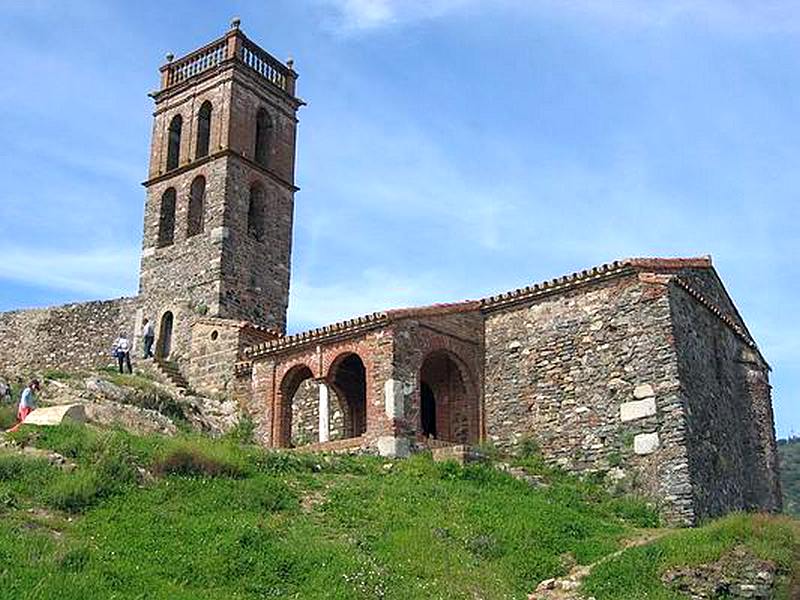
<point>55,415</point>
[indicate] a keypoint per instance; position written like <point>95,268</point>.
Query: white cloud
<point>765,15</point>
<point>102,272</point>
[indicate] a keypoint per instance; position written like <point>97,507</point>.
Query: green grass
<point>221,519</point>
<point>636,572</point>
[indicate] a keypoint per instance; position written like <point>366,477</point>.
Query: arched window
<point>166,219</point>
<point>263,137</point>
<point>174,143</point>
<point>256,213</point>
<point>197,196</point>
<point>203,129</point>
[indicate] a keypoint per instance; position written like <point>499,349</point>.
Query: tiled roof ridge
<point>341,327</point>
<point>717,312</point>
<point>495,302</point>
<point>603,271</point>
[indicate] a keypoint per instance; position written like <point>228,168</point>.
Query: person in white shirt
<point>122,351</point>
<point>27,403</point>
<point>149,335</point>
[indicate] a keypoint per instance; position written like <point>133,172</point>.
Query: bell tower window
<point>174,143</point>
<point>196,217</point>
<point>203,130</point>
<point>263,137</point>
<point>166,219</point>
<point>256,213</point>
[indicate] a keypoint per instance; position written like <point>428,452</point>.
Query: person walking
<point>27,403</point>
<point>149,335</point>
<point>122,350</point>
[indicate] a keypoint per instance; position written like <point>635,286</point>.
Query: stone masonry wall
<point>592,376</point>
<point>69,337</point>
<point>730,431</point>
<point>255,272</point>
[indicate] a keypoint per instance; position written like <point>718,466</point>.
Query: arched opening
<point>174,143</point>
<point>348,378</point>
<point>203,130</point>
<point>196,217</point>
<point>256,213</point>
<point>297,392</point>
<point>164,347</point>
<point>166,219</point>
<point>427,411</point>
<point>448,401</point>
<point>263,137</point>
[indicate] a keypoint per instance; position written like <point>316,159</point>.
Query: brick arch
<point>448,397</point>
<point>292,377</point>
<point>348,376</point>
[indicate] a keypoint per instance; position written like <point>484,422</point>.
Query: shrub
<point>194,460</point>
<point>8,416</point>
<point>268,495</point>
<point>243,432</point>
<point>116,463</point>
<point>11,466</point>
<point>75,492</point>
<point>528,448</point>
<point>56,375</point>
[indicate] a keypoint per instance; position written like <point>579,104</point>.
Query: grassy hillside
<point>789,451</point>
<point>156,517</point>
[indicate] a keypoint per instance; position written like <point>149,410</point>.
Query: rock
<point>547,584</point>
<point>55,415</point>
<point>646,443</point>
<point>637,409</point>
<point>642,391</point>
<point>739,574</point>
<point>131,418</point>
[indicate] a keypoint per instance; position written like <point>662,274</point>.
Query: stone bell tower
<point>220,191</point>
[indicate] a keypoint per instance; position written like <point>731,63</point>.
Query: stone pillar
<point>324,413</point>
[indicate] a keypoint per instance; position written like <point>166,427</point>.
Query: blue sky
<point>450,148</point>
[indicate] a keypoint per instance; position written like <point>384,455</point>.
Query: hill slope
<point>789,452</point>
<point>189,517</point>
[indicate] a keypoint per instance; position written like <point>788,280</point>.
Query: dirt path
<point>566,588</point>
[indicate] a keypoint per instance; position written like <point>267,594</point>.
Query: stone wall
<point>591,375</point>
<point>69,337</point>
<point>730,431</point>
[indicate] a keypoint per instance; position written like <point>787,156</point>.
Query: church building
<point>642,369</point>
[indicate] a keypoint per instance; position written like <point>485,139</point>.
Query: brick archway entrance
<point>290,384</point>
<point>448,400</point>
<point>348,378</point>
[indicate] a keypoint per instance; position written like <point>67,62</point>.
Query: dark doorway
<point>165,335</point>
<point>428,408</point>
<point>350,382</point>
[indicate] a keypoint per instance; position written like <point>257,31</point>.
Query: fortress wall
<point>69,337</point>
<point>591,375</point>
<point>730,430</point>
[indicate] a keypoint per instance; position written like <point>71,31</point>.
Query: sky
<point>450,149</point>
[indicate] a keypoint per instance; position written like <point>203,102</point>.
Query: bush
<point>11,466</point>
<point>55,375</point>
<point>243,432</point>
<point>75,492</point>
<point>116,463</point>
<point>8,416</point>
<point>194,460</point>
